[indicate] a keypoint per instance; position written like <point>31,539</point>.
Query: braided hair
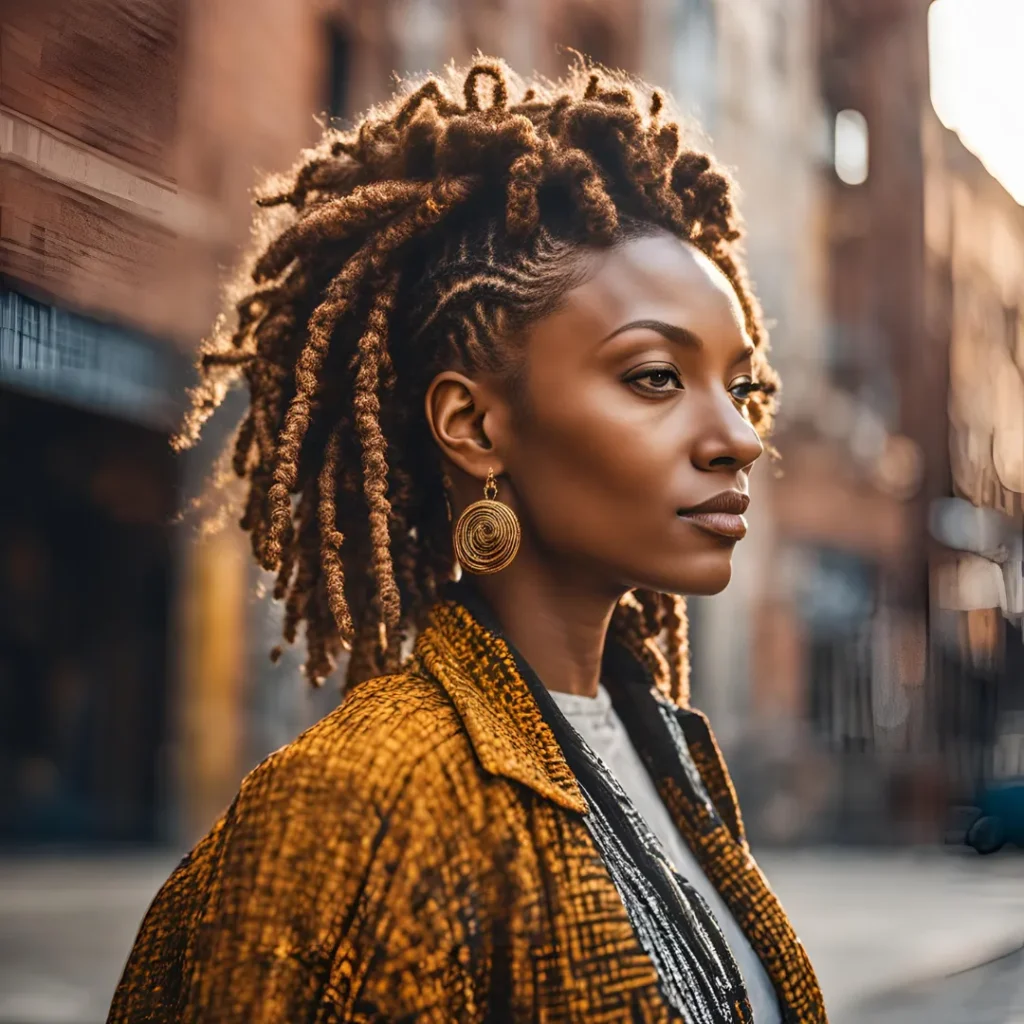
<point>430,236</point>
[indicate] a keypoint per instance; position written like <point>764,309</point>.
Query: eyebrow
<point>673,332</point>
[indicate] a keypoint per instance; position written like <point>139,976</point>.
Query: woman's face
<point>627,455</point>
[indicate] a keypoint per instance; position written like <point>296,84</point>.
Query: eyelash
<point>747,388</point>
<point>653,371</point>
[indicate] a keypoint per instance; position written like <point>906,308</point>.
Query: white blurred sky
<point>977,80</point>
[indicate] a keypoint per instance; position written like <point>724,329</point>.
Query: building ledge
<point>63,159</point>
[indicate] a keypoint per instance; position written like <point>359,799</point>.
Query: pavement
<point>897,938</point>
<point>992,993</point>
<point>66,925</point>
<point>885,929</point>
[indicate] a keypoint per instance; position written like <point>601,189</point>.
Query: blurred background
<point>865,670</point>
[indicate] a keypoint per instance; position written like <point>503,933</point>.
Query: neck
<point>557,625</point>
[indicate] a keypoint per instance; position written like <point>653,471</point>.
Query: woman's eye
<point>741,390</point>
<point>659,378</point>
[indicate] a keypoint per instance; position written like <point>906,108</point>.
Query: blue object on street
<point>1001,818</point>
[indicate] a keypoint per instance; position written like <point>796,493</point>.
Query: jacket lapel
<point>504,723</point>
<point>511,739</point>
<point>718,842</point>
<point>681,753</point>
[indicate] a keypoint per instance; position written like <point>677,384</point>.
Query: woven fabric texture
<point>421,855</point>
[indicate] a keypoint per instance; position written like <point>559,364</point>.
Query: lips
<point>721,515</point>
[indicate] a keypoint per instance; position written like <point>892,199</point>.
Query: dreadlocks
<point>428,236</point>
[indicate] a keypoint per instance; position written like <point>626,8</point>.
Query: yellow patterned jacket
<point>421,855</point>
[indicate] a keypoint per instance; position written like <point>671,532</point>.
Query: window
<point>66,357</point>
<point>851,147</point>
<point>339,60</point>
<point>694,70</point>
<point>421,29</point>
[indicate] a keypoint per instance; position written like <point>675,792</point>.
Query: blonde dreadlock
<point>429,236</point>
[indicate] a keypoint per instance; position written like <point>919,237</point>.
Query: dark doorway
<point>591,33</point>
<point>339,67</point>
<point>85,590</point>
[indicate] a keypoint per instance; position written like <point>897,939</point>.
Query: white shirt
<point>595,720</point>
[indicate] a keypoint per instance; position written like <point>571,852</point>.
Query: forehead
<point>664,278</point>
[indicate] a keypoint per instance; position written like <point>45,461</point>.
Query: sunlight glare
<point>977,80</point>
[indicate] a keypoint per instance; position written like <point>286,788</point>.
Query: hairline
<point>584,262</point>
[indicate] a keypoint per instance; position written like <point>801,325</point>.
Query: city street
<point>990,994</point>
<point>884,931</point>
<point>894,924</point>
<point>65,929</point>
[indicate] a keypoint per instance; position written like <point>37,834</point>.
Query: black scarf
<point>698,974</point>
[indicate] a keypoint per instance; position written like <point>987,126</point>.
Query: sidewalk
<point>990,994</point>
<point>66,926</point>
<point>872,922</point>
<point>876,922</point>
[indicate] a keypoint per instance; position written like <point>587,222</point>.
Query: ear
<point>465,416</point>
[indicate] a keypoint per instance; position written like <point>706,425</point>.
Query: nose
<point>728,440</point>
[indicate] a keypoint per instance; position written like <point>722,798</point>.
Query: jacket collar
<point>463,650</point>
<point>477,669</point>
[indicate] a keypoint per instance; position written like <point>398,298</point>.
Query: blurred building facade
<point>831,739</point>
<point>974,234</point>
<point>130,135</point>
<point>897,580</point>
<point>90,386</point>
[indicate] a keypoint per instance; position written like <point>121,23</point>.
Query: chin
<point>698,575</point>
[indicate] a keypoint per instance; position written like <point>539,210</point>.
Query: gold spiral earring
<point>487,533</point>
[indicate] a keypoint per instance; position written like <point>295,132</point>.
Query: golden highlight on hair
<point>430,236</point>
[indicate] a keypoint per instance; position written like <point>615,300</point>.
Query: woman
<point>509,326</point>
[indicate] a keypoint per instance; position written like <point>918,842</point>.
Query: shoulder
<point>336,827</point>
<point>389,734</point>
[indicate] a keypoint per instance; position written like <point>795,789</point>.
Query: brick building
<point>974,232</point>
<point>90,383</point>
<point>130,135</point>
<point>913,396</point>
<point>133,677</point>
<point>180,104</point>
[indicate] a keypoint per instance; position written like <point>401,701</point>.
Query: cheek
<point>598,464</point>
<point>599,478</point>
